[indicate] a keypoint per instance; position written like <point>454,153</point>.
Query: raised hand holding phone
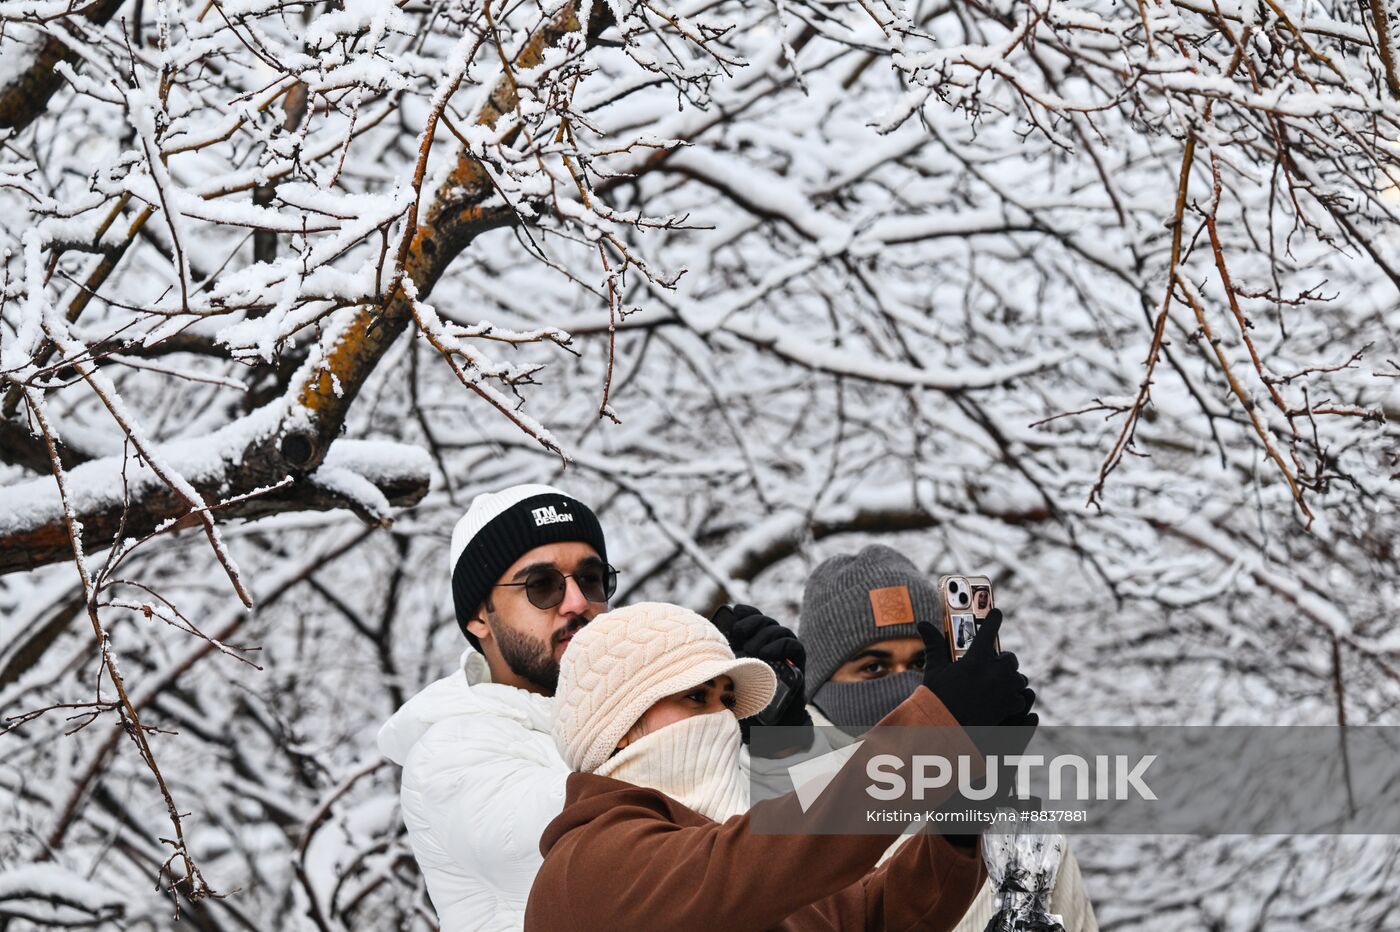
<point>985,685</point>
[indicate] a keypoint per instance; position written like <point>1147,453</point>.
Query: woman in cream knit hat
<point>654,696</point>
<point>655,832</point>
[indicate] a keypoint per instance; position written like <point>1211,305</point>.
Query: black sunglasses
<point>544,587</point>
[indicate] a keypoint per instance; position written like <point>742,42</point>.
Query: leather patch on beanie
<point>892,606</point>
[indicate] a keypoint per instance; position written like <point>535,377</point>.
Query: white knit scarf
<point>696,762</point>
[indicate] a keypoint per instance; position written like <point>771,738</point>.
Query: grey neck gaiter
<point>856,707</point>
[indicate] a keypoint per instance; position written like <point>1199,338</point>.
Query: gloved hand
<point>984,687</point>
<point>756,635</point>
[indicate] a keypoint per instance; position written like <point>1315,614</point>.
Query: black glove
<point>756,635</point>
<point>984,687</point>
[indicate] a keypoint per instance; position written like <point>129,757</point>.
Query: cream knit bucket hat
<point>624,660</point>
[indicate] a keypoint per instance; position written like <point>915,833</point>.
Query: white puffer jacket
<point>481,780</point>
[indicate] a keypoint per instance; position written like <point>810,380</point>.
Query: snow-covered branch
<point>762,282</point>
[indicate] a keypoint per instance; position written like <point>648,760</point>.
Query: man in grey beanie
<point>864,657</point>
<point>858,623</point>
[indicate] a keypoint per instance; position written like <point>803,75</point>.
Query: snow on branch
<point>47,893</point>
<point>124,494</point>
<point>745,276</point>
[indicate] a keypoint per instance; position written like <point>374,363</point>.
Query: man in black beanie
<point>529,568</point>
<point>482,776</point>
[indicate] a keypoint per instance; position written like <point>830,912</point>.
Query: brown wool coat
<point>622,858</point>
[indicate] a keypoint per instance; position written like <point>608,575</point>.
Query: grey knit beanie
<point>854,600</point>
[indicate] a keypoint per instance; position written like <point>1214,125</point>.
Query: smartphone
<point>790,680</point>
<point>967,600</point>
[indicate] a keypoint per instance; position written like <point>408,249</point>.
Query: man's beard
<point>531,658</point>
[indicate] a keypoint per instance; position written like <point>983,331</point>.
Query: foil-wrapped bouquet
<point>1022,868</point>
